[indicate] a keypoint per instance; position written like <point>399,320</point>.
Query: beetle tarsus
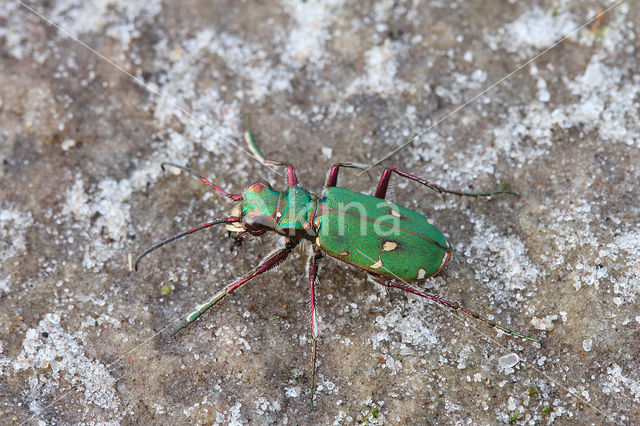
<point>453,305</point>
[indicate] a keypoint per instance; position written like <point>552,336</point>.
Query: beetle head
<point>257,210</point>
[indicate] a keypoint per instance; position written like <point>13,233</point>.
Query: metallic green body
<point>368,232</point>
<point>260,200</point>
<point>296,209</point>
<point>379,236</point>
<point>289,212</point>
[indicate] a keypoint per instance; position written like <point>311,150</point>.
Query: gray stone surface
<point>82,340</point>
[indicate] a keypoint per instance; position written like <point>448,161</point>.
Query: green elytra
<point>393,244</point>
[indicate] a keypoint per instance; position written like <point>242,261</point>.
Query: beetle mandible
<point>393,244</point>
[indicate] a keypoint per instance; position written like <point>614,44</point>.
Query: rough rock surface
<point>82,340</point>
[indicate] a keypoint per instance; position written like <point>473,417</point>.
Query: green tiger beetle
<point>393,244</point>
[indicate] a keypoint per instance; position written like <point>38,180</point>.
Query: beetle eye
<point>256,230</point>
<point>261,184</point>
<point>254,225</point>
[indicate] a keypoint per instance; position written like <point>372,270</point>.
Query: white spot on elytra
<point>445,257</point>
<point>317,241</point>
<point>395,213</point>
<point>389,246</point>
<point>421,273</point>
<point>343,253</point>
<point>376,265</point>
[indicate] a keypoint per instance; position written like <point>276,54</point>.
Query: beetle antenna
<point>227,220</point>
<point>358,166</point>
<point>233,197</point>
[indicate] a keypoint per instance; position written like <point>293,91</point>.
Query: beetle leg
<point>454,305</point>
<point>313,273</point>
<point>381,191</point>
<point>237,239</point>
<point>332,180</point>
<point>270,262</point>
<point>292,179</point>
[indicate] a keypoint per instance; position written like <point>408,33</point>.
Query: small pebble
<point>508,361</point>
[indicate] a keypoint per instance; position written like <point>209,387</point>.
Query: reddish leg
<point>273,260</point>
<point>381,192</point>
<point>313,273</point>
<point>453,305</point>
<point>203,179</point>
<point>292,179</point>
<point>332,180</point>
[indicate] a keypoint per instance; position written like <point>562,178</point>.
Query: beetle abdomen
<point>379,236</point>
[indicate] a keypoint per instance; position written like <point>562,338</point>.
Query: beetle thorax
<point>295,212</point>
